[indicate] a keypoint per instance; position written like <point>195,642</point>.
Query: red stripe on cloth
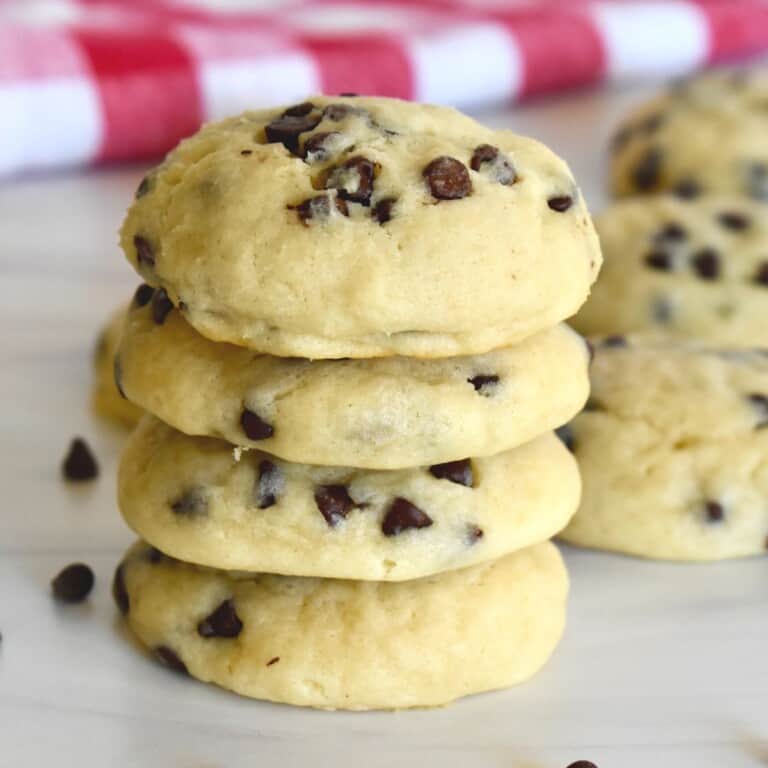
<point>736,27</point>
<point>37,53</point>
<point>364,63</point>
<point>148,89</point>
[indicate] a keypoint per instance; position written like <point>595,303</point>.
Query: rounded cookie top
<point>673,451</point>
<point>337,644</point>
<point>355,227</point>
<point>686,268</point>
<point>700,136</point>
<point>198,500</point>
<point>384,413</point>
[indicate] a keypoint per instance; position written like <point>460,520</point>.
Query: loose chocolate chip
<point>582,764</point>
<point>760,403</point>
<point>490,160</point>
<point>706,264</point>
<point>560,204</point>
<point>287,128</point>
<point>145,185</point>
<point>254,426</point>
<point>401,515</point>
<point>143,295</point>
<point>145,254</point>
<point>246,152</point>
<point>79,464</point>
<point>334,503</point>
<point>473,534</point>
<point>659,260</point>
<point>223,622</point>
<point>353,179</point>
<point>299,110</point>
<point>270,484</point>
<point>715,511</point>
<point>317,148</point>
<point>761,275</point>
<point>615,341</point>
<point>382,211</point>
<point>190,504</point>
<point>484,383</point>
<point>73,584</point>
<point>320,208</point>
<point>117,375</point>
<point>161,306</point>
<point>171,660</point>
<point>119,591</point>
<point>733,220</point>
<point>671,232</point>
<point>565,433</point>
<point>447,178</point>
<point>275,659</point>
<point>757,181</point>
<point>459,472</point>
<point>645,175</point>
<point>687,189</point>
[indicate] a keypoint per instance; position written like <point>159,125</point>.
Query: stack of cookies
<point>351,351</point>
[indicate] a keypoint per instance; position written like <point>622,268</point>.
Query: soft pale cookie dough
<point>106,400</point>
<point>357,227</point>
<point>673,451</point>
<point>339,644</point>
<point>384,413</point>
<point>702,135</point>
<point>687,268</point>
<point>193,499</point>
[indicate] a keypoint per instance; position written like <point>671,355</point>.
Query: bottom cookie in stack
<point>339,644</point>
<point>673,451</point>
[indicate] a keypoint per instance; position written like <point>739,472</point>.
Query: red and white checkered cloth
<point>89,81</point>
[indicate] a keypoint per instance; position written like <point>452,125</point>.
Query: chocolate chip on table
<point>382,211</point>
<point>459,472</point>
<point>565,433</point>
<point>73,584</point>
<point>334,503</point>
<point>223,622</point>
<point>484,383</point>
<point>560,203</point>
<point>161,306</point>
<point>447,178</point>
<point>274,659</point>
<point>79,464</point>
<point>119,591</point>
<point>645,175</point>
<point>761,275</point>
<point>145,185</point>
<point>759,402</point>
<point>270,484</point>
<point>254,426</point>
<point>490,160</point>
<point>170,659</point>
<point>117,375</point>
<point>658,260</point>
<point>615,340</point>
<point>143,295</point>
<point>353,179</point>
<point>473,534</point>
<point>402,515</point>
<point>145,254</point>
<point>687,189</point>
<point>190,503</point>
<point>733,220</point>
<point>320,208</point>
<point>287,128</point>
<point>317,148</point>
<point>706,264</point>
<point>715,512</point>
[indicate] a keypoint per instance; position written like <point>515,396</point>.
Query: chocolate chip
<point>447,178</point>
<point>119,591</point>
<point>761,275</point>
<point>671,232</point>
<point>145,185</point>
<point>484,383</point>
<point>491,161</point>
<point>757,181</point>
<point>79,464</point>
<point>143,295</point>
<point>161,306</point>
<point>353,179</point>
<point>117,375</point>
<point>560,204</point>
<point>223,622</point>
<point>275,659</point>
<point>317,148</point>
<point>473,534</point>
<point>334,503</point>
<point>733,220</point>
<point>320,208</point>
<point>145,254</point>
<point>287,128</point>
<point>402,515</point>
<point>191,503</point>
<point>687,189</point>
<point>715,511</point>
<point>582,764</point>
<point>706,264</point>
<point>270,484</point>
<point>382,211</point>
<point>299,110</point>
<point>459,472</point>
<point>246,152</point>
<point>73,584</point>
<point>659,260</point>
<point>170,659</point>
<point>645,175</point>
<point>615,341</point>
<point>254,426</point>
<point>760,403</point>
<point>565,433</point>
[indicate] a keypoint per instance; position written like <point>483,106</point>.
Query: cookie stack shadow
<point>351,354</point>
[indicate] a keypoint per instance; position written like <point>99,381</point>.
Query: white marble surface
<point>662,664</point>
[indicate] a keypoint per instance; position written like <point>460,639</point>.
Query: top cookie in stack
<point>355,227</point>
